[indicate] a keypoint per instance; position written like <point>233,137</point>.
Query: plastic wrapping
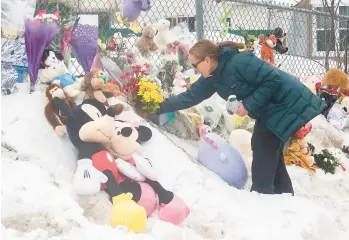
<point>211,112</point>
<point>12,53</point>
<point>338,117</point>
<point>13,15</point>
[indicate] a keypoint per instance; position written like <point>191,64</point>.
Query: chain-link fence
<point>311,41</point>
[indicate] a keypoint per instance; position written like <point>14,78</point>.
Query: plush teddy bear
<point>94,84</point>
<point>268,44</point>
<point>146,44</point>
<point>298,152</point>
<point>52,113</point>
<point>164,39</point>
<point>58,73</point>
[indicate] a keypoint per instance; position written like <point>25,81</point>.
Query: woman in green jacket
<point>280,104</point>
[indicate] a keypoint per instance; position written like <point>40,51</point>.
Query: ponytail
<point>231,44</point>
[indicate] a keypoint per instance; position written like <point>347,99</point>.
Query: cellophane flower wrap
<point>84,42</point>
<point>39,33</point>
<point>142,92</point>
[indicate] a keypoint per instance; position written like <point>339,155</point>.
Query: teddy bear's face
<point>148,31</point>
<point>51,59</point>
<point>55,70</point>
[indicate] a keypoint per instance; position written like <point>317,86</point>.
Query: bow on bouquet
<point>142,92</point>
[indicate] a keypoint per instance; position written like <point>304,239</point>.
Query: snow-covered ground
<point>38,201</point>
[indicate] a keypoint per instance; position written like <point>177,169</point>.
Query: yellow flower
<point>146,96</point>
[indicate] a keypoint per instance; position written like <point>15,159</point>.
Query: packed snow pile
<point>38,201</point>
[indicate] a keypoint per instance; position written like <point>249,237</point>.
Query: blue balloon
<point>217,155</point>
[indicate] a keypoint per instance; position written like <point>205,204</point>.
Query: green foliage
<point>326,161</point>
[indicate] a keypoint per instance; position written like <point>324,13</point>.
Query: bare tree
<point>331,7</point>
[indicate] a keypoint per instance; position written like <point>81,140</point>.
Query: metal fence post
<point>199,19</point>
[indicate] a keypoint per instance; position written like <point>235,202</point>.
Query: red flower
<point>133,81</point>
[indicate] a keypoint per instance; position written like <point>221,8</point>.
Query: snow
<point>38,201</point>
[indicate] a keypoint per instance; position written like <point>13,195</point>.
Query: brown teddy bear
<point>268,44</point>
<point>146,44</point>
<point>52,112</point>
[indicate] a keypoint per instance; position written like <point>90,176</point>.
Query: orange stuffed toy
<point>336,78</point>
<point>298,152</point>
<point>268,44</point>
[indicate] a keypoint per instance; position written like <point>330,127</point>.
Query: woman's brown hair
<point>206,48</point>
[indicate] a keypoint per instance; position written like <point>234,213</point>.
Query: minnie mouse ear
<point>144,134</point>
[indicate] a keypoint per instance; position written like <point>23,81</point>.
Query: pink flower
<point>41,12</point>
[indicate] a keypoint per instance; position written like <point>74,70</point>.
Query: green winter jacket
<point>277,99</point>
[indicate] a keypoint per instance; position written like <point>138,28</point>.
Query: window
<point>343,11</point>
<point>189,20</point>
<point>324,33</point>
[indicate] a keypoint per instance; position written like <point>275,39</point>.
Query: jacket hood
<point>225,54</point>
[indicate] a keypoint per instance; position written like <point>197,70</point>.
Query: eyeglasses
<point>195,65</point>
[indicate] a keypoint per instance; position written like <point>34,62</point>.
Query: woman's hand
<point>241,111</point>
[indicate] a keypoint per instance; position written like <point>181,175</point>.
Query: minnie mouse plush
<point>98,138</point>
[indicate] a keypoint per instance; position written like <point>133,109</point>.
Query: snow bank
<point>39,203</point>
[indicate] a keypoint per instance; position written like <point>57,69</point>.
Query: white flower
<point>325,160</point>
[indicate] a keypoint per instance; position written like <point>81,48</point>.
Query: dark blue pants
<point>269,173</point>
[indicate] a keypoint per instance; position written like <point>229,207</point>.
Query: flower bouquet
<point>148,97</point>
<point>39,33</point>
<point>130,79</point>
<point>142,92</point>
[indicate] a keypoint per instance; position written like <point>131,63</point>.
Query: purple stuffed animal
<point>130,11</point>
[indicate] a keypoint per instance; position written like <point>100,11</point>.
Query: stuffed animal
<point>140,179</point>
<point>250,41</point>
<point>336,78</point>
<point>130,11</point>
<point>217,155</point>
<point>164,39</point>
<point>58,73</point>
<point>268,44</point>
<point>298,152</point>
<point>97,136</point>
<point>89,125</point>
<point>52,113</point>
<point>280,35</point>
<point>50,57</point>
<point>146,44</point>
<point>94,83</point>
<point>179,83</point>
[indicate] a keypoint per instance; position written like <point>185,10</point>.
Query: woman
<point>279,103</point>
